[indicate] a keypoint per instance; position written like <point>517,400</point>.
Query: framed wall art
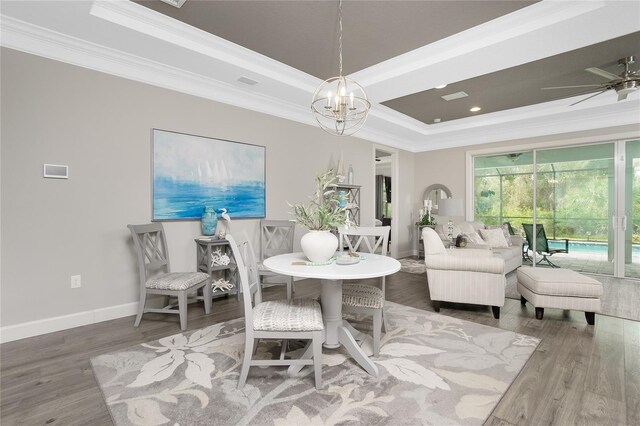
<point>190,172</point>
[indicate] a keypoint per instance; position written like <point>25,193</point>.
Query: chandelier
<point>340,105</point>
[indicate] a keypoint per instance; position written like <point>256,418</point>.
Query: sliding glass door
<point>575,204</point>
<point>587,199</point>
<point>630,228</point>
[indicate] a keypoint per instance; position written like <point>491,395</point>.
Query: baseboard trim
<point>407,253</point>
<point>65,322</point>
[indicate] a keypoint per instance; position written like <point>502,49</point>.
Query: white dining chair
<point>276,237</point>
<point>155,276</point>
<point>299,319</point>
<point>364,298</point>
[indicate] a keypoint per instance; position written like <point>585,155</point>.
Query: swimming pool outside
<point>589,247</point>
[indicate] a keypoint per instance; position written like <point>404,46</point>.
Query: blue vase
<point>209,221</point>
<point>342,199</point>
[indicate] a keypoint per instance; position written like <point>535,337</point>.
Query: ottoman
<point>559,288</point>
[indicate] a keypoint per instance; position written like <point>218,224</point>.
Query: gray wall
<point>100,125</point>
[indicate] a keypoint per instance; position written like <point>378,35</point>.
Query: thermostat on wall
<point>56,171</point>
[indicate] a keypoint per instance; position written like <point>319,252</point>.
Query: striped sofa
<point>473,276</point>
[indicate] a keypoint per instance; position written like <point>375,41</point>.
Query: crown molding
<point>529,34</point>
<point>604,116</point>
<point>147,21</point>
<point>29,38</point>
<point>385,126</point>
<point>522,21</point>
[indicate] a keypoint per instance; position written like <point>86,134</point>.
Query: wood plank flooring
<point>578,375</point>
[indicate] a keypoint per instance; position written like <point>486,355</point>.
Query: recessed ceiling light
<point>442,86</point>
<point>436,120</point>
<point>475,109</point>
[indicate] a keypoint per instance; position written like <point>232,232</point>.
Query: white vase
<point>319,246</point>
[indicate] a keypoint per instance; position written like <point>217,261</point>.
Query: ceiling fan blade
<point>603,73</point>
<point>571,87</point>
<point>622,96</point>
<point>586,99</point>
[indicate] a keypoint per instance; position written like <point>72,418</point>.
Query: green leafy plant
<point>426,219</point>
<point>323,213</point>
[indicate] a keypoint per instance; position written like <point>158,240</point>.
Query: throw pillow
<point>494,237</point>
<point>507,234</point>
<point>473,237</point>
<point>505,231</point>
<point>467,228</point>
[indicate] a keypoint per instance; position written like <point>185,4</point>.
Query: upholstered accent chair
<point>155,276</point>
<point>463,275</point>
<point>364,298</point>
<point>299,319</point>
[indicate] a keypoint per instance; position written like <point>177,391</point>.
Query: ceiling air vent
<point>175,3</point>
<point>248,81</point>
<point>453,96</point>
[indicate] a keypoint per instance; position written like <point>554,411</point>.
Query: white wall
<point>100,125</point>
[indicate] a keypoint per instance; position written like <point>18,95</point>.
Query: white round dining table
<point>337,331</point>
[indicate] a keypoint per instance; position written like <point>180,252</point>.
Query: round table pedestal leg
<point>331,296</point>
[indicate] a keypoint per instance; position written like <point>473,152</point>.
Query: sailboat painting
<point>191,172</point>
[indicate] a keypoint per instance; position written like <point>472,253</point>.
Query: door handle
<point>624,223</point>
<point>614,222</point>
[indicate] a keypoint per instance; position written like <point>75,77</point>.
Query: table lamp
<point>451,207</point>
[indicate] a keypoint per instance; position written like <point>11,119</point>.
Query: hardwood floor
<point>579,374</point>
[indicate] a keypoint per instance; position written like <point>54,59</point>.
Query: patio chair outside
<point>542,243</point>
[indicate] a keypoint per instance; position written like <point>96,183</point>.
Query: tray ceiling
<point>521,86</point>
<point>302,34</point>
<point>499,52</point>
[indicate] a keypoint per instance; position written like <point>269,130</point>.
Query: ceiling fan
<point>628,81</point>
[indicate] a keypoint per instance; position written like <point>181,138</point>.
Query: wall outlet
<point>76,281</point>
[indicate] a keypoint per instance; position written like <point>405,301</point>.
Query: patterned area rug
<point>620,298</point>
<point>432,369</point>
<point>412,266</point>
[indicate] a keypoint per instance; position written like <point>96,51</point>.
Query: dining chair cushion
<point>362,295</point>
<point>283,315</point>
<point>176,280</point>
<point>263,270</point>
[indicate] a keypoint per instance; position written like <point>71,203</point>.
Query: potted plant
<point>320,216</point>
<point>426,219</point>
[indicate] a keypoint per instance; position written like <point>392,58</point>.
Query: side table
<point>205,248</point>
<point>420,242</point>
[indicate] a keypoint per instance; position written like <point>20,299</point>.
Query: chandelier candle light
<point>340,105</point>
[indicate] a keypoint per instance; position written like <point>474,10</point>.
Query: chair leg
<point>591,317</point>
<point>317,357</point>
<point>436,305</point>
<point>377,326</point>
<point>249,347</point>
<point>289,288</point>
<point>143,300</point>
<point>182,308</point>
<point>496,312</point>
<point>547,261</point>
<point>207,295</point>
<point>385,326</point>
